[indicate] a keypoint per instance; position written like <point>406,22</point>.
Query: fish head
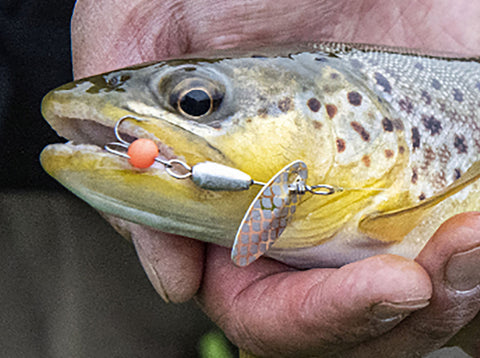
<point>251,114</point>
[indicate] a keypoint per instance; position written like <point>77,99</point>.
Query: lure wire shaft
<point>219,176</point>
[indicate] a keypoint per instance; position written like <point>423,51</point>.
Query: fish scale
<point>439,100</point>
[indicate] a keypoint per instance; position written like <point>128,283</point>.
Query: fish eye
<point>195,102</point>
<point>196,98</point>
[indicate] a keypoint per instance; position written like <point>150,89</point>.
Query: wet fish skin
<point>360,117</point>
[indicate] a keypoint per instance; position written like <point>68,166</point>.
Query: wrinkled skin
<point>386,303</point>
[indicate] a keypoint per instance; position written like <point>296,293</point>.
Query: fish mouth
<point>85,135</point>
<point>150,196</point>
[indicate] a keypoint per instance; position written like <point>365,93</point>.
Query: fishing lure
<point>269,213</point>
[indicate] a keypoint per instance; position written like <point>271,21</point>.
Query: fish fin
<point>268,215</point>
<point>394,225</point>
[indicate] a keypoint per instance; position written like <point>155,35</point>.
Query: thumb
<point>452,260</point>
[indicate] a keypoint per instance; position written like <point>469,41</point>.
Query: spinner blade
<point>268,214</point>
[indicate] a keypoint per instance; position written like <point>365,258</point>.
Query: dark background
<point>70,285</point>
<point>34,58</point>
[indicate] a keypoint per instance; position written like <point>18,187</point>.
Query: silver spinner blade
<point>268,215</point>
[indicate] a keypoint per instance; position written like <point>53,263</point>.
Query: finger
<point>452,259</point>
<point>270,310</point>
<point>108,34</point>
<point>174,264</point>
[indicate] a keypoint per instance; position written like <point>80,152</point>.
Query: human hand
<point>268,308</point>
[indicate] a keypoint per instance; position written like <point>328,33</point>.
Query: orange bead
<point>142,153</point>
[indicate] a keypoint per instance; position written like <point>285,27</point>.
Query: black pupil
<point>196,103</point>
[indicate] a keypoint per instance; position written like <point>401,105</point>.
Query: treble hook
<point>117,126</point>
<point>143,152</point>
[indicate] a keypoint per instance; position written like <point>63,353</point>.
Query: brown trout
<point>398,133</point>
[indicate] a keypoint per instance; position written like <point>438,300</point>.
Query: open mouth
<point>88,135</point>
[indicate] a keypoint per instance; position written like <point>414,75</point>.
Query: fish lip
<point>90,132</point>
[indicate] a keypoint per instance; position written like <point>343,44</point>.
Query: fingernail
<point>463,270</point>
<point>149,269</point>
<point>392,311</point>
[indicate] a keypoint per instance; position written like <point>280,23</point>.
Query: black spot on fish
<point>357,127</point>
<point>401,149</point>
<point>313,104</point>
<point>478,85</point>
<point>419,66</point>
<point>460,144</point>
<point>406,105</point>
<point>341,145</point>
<point>354,98</point>
<point>321,59</point>
<point>334,76</point>
<point>285,104</point>
<point>457,95</point>
<point>436,84</point>
<point>389,153</point>
<point>331,110</point>
<point>414,176</point>
<point>387,125</point>
<point>383,82</point>
<point>415,138</point>
<point>422,197</point>
<point>457,174</point>
<point>432,124</point>
<point>426,97</point>
<point>398,124</point>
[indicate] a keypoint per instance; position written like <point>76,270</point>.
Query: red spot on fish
<point>341,145</point>
<point>331,110</point>
<point>389,153</point>
<point>366,160</point>
<point>357,127</point>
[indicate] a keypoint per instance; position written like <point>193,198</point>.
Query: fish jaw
<point>150,197</point>
<point>147,196</point>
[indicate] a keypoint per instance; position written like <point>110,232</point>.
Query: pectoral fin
<point>391,226</point>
